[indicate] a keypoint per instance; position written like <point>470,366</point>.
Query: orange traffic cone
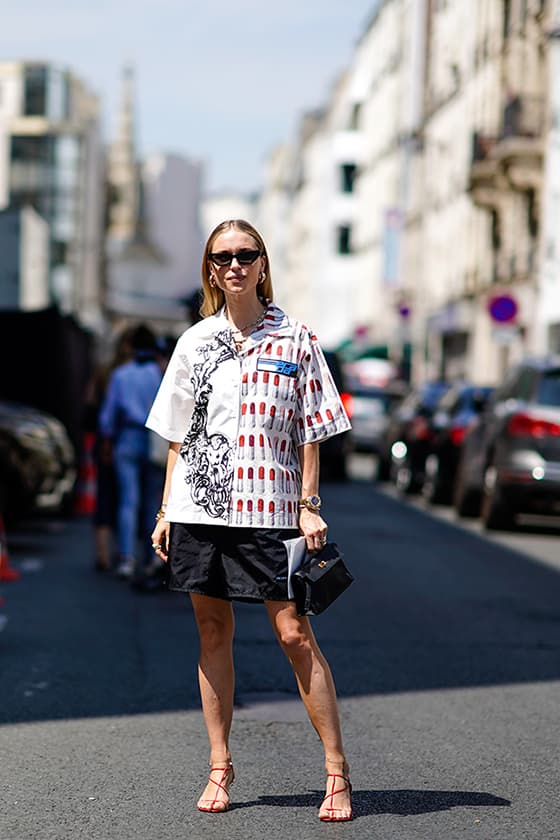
<point>87,477</point>
<point>7,572</point>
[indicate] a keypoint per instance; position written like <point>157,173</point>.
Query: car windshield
<point>549,388</point>
<point>431,393</point>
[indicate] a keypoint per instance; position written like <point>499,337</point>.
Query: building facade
<point>51,160</point>
<point>447,122</point>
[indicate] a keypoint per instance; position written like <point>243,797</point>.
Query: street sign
<point>503,308</point>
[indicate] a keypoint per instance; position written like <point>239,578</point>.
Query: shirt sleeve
<point>173,406</point>
<point>320,413</point>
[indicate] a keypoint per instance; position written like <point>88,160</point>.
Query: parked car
<point>511,457</point>
<point>37,461</point>
<point>371,407</point>
<point>335,450</point>
<point>405,444</point>
<point>453,415</point>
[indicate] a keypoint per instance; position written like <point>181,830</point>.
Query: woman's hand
<point>314,529</point>
<point>160,538</point>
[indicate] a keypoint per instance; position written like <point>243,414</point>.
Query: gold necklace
<point>256,323</point>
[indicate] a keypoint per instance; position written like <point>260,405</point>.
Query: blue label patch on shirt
<point>277,366</point>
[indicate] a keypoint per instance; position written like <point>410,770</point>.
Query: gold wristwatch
<point>312,503</point>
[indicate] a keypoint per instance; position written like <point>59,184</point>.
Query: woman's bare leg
<point>214,618</point>
<point>316,687</point>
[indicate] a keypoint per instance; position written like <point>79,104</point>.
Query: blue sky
<point>220,80</point>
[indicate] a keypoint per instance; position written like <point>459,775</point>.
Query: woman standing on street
<point>245,400</point>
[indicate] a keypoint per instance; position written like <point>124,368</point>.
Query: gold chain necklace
<point>256,323</point>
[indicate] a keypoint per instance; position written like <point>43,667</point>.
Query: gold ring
<point>156,546</point>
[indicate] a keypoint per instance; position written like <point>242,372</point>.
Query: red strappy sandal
<point>326,812</point>
<point>218,806</point>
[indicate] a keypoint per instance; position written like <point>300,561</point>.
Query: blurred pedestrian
<point>244,402</point>
<point>130,393</point>
<point>106,496</point>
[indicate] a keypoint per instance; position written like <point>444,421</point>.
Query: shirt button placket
<point>236,404</point>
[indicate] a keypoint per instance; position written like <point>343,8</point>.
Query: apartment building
<point>547,319</point>
<point>51,160</point>
<point>308,215</point>
<point>441,243</point>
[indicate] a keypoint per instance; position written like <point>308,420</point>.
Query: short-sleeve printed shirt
<point>240,418</point>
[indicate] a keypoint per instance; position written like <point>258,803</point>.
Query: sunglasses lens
<point>243,257</point>
<point>223,258</point>
<point>247,257</point>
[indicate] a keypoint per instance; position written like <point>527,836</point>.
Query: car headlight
<point>399,450</point>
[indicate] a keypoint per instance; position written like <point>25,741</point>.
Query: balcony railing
<point>522,117</point>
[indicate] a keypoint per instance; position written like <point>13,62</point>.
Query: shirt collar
<point>275,322</point>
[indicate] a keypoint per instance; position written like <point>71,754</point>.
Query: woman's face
<point>236,280</point>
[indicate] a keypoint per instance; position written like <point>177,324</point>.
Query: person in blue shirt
<point>129,397</point>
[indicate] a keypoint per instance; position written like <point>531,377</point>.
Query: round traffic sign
<point>503,308</point>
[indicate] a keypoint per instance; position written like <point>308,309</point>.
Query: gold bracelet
<point>160,514</point>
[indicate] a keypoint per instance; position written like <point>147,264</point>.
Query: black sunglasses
<point>243,257</point>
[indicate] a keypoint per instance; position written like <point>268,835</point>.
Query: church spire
<point>123,170</point>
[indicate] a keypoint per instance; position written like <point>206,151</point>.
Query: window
<point>347,177</point>
<point>549,388</point>
<point>35,92</point>
<point>355,116</point>
<point>525,385</point>
<point>344,236</point>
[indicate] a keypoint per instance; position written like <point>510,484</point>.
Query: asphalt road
<point>446,654</point>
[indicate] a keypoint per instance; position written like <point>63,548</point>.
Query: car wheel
<point>432,490</point>
<point>403,479</point>
<point>495,512</point>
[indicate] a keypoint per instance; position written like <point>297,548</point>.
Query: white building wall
<point>11,93</point>
<point>388,113</point>
<point>273,216</point>
<point>547,332</point>
<point>463,96</point>
<point>33,261</point>
<point>172,191</point>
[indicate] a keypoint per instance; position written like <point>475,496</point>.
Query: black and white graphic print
<point>208,458</point>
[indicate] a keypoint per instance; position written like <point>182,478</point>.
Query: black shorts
<point>236,564</point>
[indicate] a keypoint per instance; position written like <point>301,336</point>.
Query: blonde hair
<point>213,298</point>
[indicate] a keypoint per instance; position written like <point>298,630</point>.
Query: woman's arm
<point>160,534</point>
<point>311,524</point>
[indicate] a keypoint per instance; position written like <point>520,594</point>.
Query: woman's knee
<point>215,632</point>
<point>293,639</point>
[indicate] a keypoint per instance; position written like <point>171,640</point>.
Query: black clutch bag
<point>320,579</point>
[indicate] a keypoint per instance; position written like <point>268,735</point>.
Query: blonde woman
<point>245,400</point>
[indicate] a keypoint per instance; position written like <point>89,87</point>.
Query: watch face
<point>315,500</point>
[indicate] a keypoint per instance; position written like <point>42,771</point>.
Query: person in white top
<point>245,400</point>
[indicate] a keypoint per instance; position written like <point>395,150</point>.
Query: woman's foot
<point>215,799</point>
<point>337,804</point>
